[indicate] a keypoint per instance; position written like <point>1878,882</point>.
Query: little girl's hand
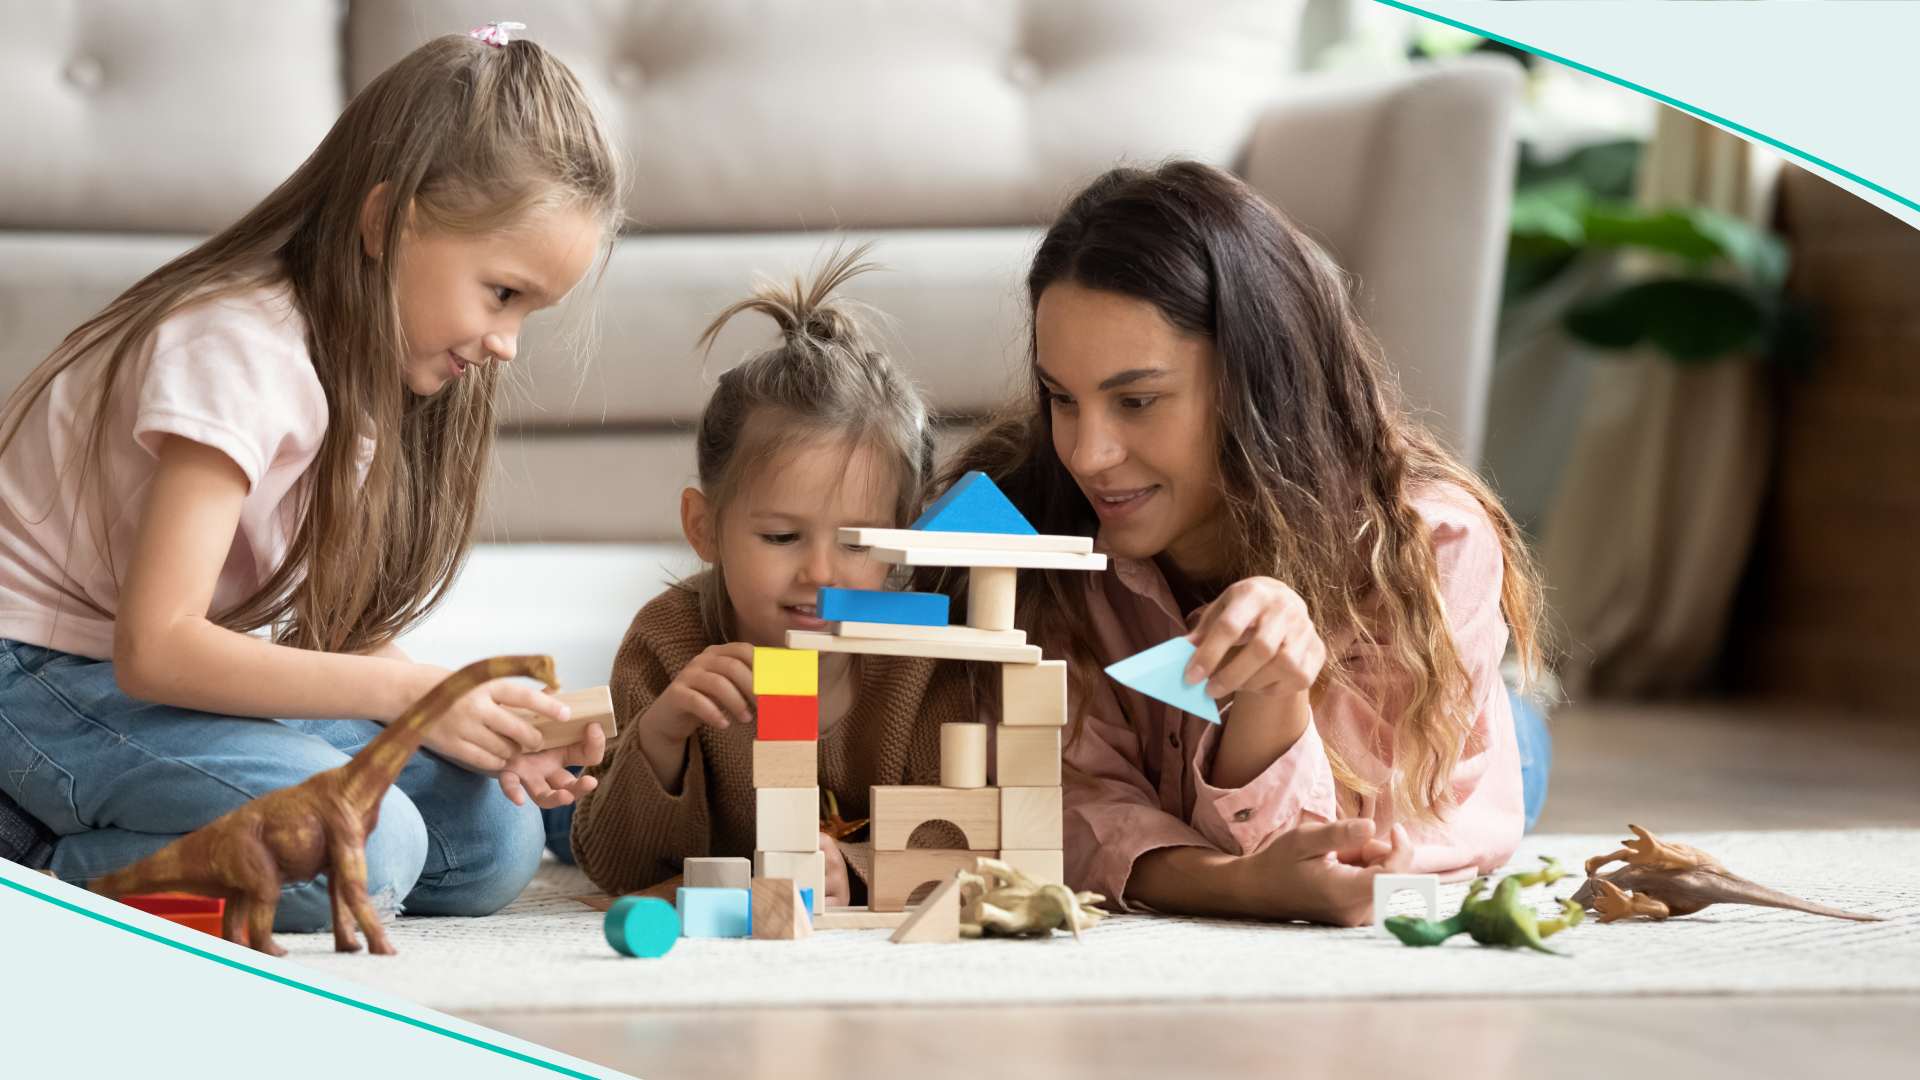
<point>839,886</point>
<point>713,689</point>
<point>479,733</point>
<point>1280,651</point>
<point>544,776</point>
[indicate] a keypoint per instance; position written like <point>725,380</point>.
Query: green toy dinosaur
<point>1501,919</point>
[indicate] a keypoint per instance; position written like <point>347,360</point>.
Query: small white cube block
<point>786,819</point>
<point>1385,885</point>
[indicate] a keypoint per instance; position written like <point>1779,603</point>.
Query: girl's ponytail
<point>824,380</point>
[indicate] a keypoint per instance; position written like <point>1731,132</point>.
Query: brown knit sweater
<point>629,834</point>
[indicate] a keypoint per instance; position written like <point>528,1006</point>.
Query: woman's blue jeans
<point>119,779</point>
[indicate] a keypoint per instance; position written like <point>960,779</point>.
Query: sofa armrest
<point>1406,178</point>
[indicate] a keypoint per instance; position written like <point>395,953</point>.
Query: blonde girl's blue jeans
<point>118,779</point>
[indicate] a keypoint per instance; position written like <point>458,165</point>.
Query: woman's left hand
<point>1279,650</point>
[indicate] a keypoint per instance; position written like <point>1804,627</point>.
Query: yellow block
<point>786,671</point>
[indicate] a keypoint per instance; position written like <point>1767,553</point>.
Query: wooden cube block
<point>786,763</point>
<point>1039,865</point>
<point>896,874</point>
<point>990,592</point>
<point>963,755</point>
<point>794,672</point>
<point>787,819</point>
<point>717,873</point>
<point>1027,756</point>
<point>787,718</point>
<point>1034,695</point>
<point>897,811</point>
<point>714,912</point>
<point>1030,818</point>
<point>592,707</point>
<point>807,869</point>
<point>778,914</point>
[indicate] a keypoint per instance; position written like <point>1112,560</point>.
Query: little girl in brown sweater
<point>817,433</point>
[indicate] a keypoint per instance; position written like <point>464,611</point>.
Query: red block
<point>202,913</point>
<point>789,718</point>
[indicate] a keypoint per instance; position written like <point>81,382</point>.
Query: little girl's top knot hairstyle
<point>465,136</point>
<point>824,380</point>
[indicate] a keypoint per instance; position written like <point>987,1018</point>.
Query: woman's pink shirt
<point>233,374</point>
<point>1145,789</point>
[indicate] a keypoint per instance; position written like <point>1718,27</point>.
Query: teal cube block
<point>714,912</point>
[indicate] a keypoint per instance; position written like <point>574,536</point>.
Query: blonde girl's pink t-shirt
<point>233,374</point>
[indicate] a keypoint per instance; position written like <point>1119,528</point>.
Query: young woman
<point>1205,403</point>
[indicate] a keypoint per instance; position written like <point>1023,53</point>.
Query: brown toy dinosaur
<point>1662,879</point>
<point>319,825</point>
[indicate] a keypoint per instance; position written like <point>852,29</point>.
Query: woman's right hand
<point>714,690</point>
<point>1323,872</point>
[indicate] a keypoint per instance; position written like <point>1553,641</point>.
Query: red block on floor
<point>789,718</point>
<point>202,913</point>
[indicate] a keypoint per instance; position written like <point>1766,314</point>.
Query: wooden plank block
<point>1031,818</point>
<point>808,869</point>
<point>778,914</point>
<point>786,763</point>
<point>898,810</point>
<point>1027,757</point>
<point>787,718</point>
<point>1037,560</point>
<point>963,756</point>
<point>858,918</point>
<point>717,873</point>
<point>593,706</point>
<point>785,671</point>
<point>786,819</point>
<point>941,650</point>
<point>1040,865</point>
<point>964,635</point>
<point>936,920</point>
<point>1034,695</point>
<point>880,606</point>
<point>911,538</point>
<point>990,596</point>
<point>896,874</point>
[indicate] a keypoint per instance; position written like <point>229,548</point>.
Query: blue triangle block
<point>1161,674</point>
<point>974,505</point>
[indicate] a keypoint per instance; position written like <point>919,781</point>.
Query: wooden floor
<point>1669,768</point>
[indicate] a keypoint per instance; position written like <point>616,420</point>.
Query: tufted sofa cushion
<point>785,114</point>
<point>133,116</point>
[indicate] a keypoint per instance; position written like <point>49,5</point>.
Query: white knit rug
<point>546,952</point>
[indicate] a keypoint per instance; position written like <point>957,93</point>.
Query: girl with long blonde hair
<point>224,497</point>
<point>1205,403</point>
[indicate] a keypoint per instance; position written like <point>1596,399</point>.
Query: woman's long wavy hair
<point>471,138</point>
<point>1317,455</point>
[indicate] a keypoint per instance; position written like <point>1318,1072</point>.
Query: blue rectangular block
<point>714,912</point>
<point>806,901</point>
<point>866,605</point>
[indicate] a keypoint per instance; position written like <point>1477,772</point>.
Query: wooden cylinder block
<point>963,755</point>
<point>990,597</point>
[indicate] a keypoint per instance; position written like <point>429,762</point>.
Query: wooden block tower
<point>785,770</point>
<point>1018,820</point>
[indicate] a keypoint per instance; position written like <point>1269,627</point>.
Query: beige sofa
<point>947,130</point>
